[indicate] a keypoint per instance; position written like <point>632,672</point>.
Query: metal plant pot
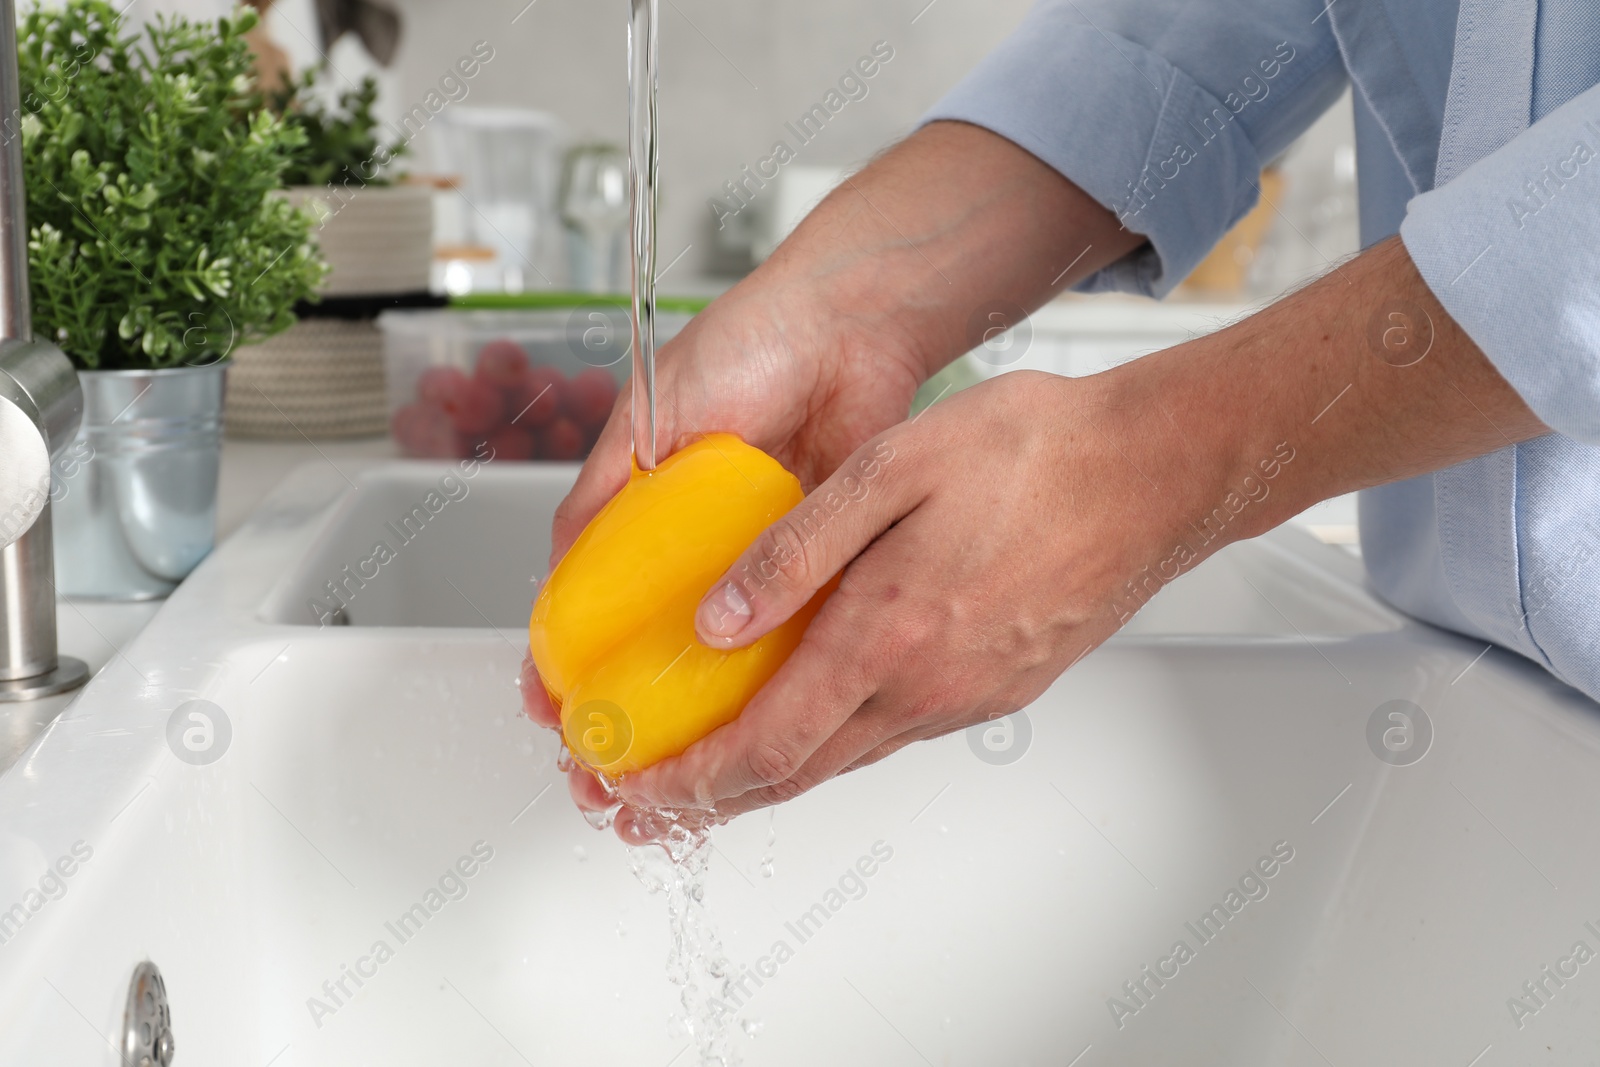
<point>136,493</point>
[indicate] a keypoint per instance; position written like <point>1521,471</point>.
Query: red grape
<point>441,386</point>
<point>426,432</point>
<point>590,397</point>
<point>510,442</point>
<point>474,407</point>
<point>478,410</point>
<point>501,364</point>
<point>561,440</point>
<point>537,397</point>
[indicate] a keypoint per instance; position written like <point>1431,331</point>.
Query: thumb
<point>801,552</point>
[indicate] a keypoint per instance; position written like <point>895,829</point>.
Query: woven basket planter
<point>323,377</point>
<point>319,378</point>
<point>378,239</point>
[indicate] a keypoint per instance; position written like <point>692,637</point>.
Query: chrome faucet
<point>40,407</point>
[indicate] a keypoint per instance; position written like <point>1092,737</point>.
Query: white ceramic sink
<point>367,759</point>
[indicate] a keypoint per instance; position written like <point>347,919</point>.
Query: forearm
<point>953,223</point>
<point>1362,373</point>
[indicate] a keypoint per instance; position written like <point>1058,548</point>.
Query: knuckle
<point>771,763</point>
<point>877,752</point>
<point>784,791</point>
<point>702,791</point>
<point>784,554</point>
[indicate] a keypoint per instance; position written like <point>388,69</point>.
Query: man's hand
<point>982,548</point>
<point>823,346</point>
<point>995,540</point>
<point>987,545</point>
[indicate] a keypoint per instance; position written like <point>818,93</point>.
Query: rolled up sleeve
<point>1161,111</point>
<point>1511,247</point>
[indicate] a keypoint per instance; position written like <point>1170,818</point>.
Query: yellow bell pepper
<point>612,631</point>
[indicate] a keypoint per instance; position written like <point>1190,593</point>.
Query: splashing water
<point>675,866</point>
<point>696,962</point>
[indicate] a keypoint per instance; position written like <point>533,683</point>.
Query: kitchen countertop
<point>96,631</point>
<point>252,468</point>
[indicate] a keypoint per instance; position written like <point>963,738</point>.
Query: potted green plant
<point>324,377</point>
<point>156,249</point>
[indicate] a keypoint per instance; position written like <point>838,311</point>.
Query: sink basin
<point>427,546</point>
<point>1021,908</point>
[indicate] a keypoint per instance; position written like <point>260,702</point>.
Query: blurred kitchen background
<point>732,75</point>
<point>524,160</point>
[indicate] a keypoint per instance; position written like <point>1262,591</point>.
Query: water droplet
<point>580,852</point>
<point>772,840</point>
<point>602,820</point>
<point>751,1027</point>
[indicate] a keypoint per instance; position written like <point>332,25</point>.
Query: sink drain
<point>147,1024</point>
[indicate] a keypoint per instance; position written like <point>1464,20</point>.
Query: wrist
<point>1216,470</point>
<point>952,231</point>
<point>1359,379</point>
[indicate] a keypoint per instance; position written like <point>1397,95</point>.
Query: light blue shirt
<point>1478,141</point>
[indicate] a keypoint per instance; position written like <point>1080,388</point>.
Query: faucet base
<point>69,674</point>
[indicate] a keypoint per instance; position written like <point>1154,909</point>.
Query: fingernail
<point>724,613</point>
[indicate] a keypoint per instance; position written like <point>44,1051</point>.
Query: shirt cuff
<point>1511,248</point>
<point>1122,123</point>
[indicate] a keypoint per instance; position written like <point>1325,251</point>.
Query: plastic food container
<point>514,384</point>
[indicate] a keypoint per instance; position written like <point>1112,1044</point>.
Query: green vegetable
<point>150,163</point>
<point>342,144</point>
